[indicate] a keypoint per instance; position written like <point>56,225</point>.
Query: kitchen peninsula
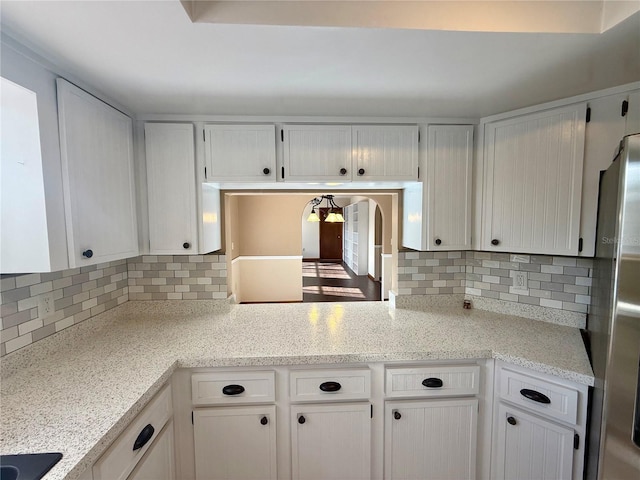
<point>76,391</point>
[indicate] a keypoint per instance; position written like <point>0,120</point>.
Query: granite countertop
<point>76,391</point>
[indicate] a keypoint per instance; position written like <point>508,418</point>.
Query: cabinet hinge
<point>205,173</point>
<point>418,136</point>
<point>580,244</point>
<point>283,173</point>
<point>418,173</point>
<point>204,138</point>
<point>282,135</point>
<point>372,410</point>
<point>625,107</point>
<point>191,417</point>
<point>576,441</point>
<point>588,119</point>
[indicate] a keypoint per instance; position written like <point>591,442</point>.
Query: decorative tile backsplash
<point>178,277</point>
<point>556,282</point>
<point>431,273</point>
<point>78,294</point>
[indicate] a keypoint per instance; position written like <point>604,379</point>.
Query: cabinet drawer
<point>330,385</point>
<point>223,388</point>
<point>120,459</point>
<point>539,395</point>
<point>435,381</point>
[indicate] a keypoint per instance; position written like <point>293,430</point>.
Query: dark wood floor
<point>335,282</point>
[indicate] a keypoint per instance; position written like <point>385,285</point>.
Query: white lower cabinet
<point>431,439</point>
<point>157,463</point>
<point>331,441</point>
<point>531,448</point>
<point>235,443</point>
<point>539,426</point>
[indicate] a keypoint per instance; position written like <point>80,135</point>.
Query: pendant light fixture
<point>332,216</point>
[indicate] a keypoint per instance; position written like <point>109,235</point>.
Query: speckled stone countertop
<point>76,391</point>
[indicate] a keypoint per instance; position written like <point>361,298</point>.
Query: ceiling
<point>150,57</point>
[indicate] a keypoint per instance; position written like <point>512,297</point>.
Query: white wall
<point>310,236</point>
<point>371,241</point>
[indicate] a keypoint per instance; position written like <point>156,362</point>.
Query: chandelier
<point>332,216</point>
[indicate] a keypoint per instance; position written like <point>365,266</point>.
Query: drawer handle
<point>397,415</point>
<point>143,437</point>
<point>232,389</point>
<point>511,421</point>
<point>87,253</point>
<point>330,386</point>
<point>301,419</point>
<point>264,421</point>
<point>535,396</point>
<point>432,382</point>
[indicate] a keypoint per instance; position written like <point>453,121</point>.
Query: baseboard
<point>372,278</point>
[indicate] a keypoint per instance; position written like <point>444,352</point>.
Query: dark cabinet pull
<point>343,171</point>
<point>186,245</point>
<point>511,421</point>
<point>266,171</point>
<point>232,389</point>
<point>87,253</point>
<point>495,242</point>
<point>143,437</point>
<point>264,421</point>
<point>438,241</point>
<point>535,396</point>
<point>432,382</point>
<point>301,419</point>
<point>330,386</point>
<point>361,171</point>
<point>397,415</point>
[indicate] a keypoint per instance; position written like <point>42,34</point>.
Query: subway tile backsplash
<point>178,277</point>
<point>78,294</point>
<point>561,283</point>
<point>81,293</point>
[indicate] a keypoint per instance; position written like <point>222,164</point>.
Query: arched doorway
<point>341,259</point>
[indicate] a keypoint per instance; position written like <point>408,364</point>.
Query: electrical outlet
<point>520,281</point>
<point>46,306</point>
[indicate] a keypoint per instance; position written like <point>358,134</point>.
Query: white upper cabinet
<point>533,182</point>
<point>96,143</point>
<point>632,124</point>
<point>437,211</point>
<point>244,153</point>
<point>387,153</point>
<point>602,139</point>
<point>449,162</point>
<point>317,153</point>
<point>171,187</point>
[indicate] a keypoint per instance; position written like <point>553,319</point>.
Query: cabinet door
<point>235,443</point>
<point>385,153</point>
<point>331,441</point>
<point>157,463</point>
<point>632,123</point>
<point>240,153</point>
<point>317,153</point>
<point>171,188</point>
<point>448,183</point>
<point>96,143</point>
<point>431,439</point>
<point>533,179</point>
<point>531,448</point>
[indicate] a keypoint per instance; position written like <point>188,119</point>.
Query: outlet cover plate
<point>520,283</point>
<point>46,307</point>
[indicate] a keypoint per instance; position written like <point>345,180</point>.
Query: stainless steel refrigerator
<point>614,322</point>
